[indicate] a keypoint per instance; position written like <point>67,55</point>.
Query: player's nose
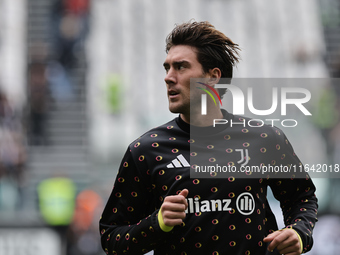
<point>170,76</point>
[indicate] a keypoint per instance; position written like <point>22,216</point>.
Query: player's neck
<point>199,120</point>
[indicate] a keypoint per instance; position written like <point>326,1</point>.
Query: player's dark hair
<point>214,49</point>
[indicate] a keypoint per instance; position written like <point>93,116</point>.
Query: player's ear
<point>214,76</point>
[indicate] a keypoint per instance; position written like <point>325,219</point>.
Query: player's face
<point>180,65</point>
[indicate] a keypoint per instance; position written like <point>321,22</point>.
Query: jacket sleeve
<point>129,223</point>
<point>296,193</point>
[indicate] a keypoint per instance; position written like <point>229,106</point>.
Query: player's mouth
<point>172,94</point>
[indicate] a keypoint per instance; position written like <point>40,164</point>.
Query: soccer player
<point>155,205</point>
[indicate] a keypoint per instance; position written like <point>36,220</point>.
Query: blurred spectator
<point>57,200</point>
<point>12,153</point>
<point>56,203</point>
<point>59,82</point>
<point>38,102</point>
<point>70,26</point>
<point>336,68</point>
<point>83,232</point>
<point>70,23</point>
<point>326,118</point>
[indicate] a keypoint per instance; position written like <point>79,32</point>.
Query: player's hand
<point>286,241</point>
<point>173,208</point>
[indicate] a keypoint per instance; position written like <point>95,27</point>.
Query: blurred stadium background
<point>81,79</point>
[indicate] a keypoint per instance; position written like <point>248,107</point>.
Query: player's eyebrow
<point>176,63</point>
<point>165,64</point>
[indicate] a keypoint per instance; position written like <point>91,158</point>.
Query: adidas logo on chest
<point>178,162</point>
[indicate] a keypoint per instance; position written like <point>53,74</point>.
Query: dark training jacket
<point>228,215</point>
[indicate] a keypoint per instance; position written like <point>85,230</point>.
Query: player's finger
<point>173,215</point>
<point>279,237</point>
<point>175,199</point>
<point>271,236</point>
<point>170,206</point>
<point>291,250</point>
<point>287,243</point>
<point>171,218</point>
<point>291,244</point>
<point>172,222</point>
<point>184,193</point>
